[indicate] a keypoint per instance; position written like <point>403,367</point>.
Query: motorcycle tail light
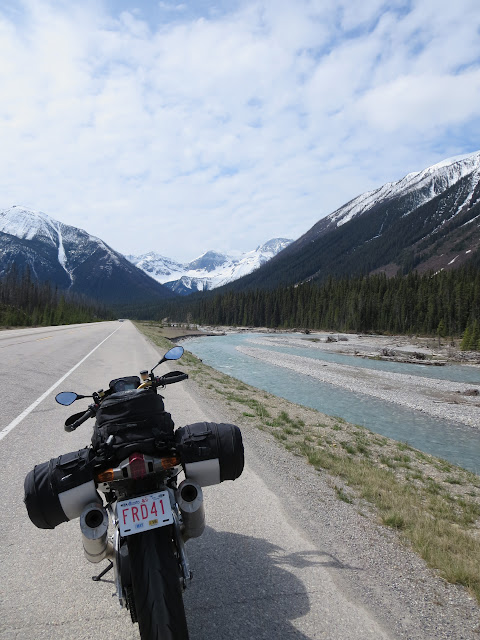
<point>105,476</point>
<point>137,466</point>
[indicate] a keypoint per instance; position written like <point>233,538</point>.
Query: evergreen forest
<point>444,304</point>
<point>25,302</point>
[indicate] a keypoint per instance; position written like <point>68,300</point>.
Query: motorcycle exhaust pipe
<point>190,501</point>
<point>94,528</point>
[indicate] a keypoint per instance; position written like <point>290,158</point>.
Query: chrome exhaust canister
<point>190,501</point>
<point>94,528</point>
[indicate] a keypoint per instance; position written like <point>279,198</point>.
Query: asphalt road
<point>257,572</point>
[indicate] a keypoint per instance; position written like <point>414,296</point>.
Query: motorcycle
<point>125,489</point>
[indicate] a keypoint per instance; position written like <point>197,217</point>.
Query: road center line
<point>12,344</point>
<point>35,404</point>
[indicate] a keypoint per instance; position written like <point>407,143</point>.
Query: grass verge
<point>431,503</point>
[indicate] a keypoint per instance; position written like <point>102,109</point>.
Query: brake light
<point>137,466</point>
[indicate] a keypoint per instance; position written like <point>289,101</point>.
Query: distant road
<point>259,570</point>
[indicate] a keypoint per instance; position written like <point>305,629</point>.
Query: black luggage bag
<point>58,490</point>
<point>210,452</point>
<point>129,421</point>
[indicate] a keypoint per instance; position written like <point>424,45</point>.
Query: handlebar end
<point>79,418</point>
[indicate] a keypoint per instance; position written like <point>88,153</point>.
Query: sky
<point>184,126</point>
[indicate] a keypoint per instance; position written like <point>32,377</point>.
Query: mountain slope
<point>210,270</point>
<point>71,259</point>
<point>427,220</point>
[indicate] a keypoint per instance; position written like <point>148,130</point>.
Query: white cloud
<point>422,104</point>
<point>226,131</point>
<point>168,6</point>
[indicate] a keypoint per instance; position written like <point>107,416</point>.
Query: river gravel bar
<point>453,401</point>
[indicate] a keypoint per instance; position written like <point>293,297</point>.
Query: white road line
<point>25,413</point>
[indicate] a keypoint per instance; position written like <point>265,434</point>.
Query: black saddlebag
<point>210,452</point>
<point>58,490</point>
<point>130,421</point>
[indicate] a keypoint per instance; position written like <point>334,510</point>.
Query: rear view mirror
<point>66,398</point>
<point>174,354</point>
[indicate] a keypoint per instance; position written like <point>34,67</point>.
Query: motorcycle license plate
<point>144,513</point>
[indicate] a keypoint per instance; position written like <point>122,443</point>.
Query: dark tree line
<point>442,304</point>
<point>25,302</point>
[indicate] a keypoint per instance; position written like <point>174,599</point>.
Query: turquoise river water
<point>453,442</point>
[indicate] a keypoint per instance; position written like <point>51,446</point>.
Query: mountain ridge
<point>419,221</point>
<point>71,259</point>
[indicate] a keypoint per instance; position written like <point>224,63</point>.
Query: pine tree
<point>475,340</point>
<point>465,345</point>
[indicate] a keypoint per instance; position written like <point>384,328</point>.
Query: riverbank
<point>178,332</point>
<point>419,349</point>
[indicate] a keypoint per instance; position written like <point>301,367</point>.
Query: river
<point>453,442</point>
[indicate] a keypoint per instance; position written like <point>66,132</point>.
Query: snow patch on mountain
<point>62,256</point>
<point>157,266</point>
<point>26,224</point>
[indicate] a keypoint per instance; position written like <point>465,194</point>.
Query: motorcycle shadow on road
<point>246,587</point>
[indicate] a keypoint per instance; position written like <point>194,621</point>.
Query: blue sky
<point>185,126</point>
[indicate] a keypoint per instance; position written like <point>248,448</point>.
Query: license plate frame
<point>144,513</point>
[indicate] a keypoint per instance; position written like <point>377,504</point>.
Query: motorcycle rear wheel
<point>156,585</point>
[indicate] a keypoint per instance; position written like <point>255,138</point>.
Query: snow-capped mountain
<point>428,220</point>
<point>210,270</point>
<point>420,186</point>
<point>71,258</point>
